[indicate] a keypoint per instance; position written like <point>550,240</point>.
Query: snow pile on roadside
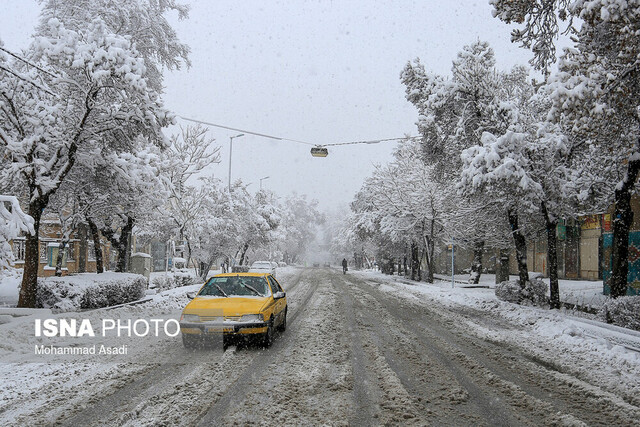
<point>10,280</point>
<point>89,290</point>
<point>172,279</point>
<point>534,292</point>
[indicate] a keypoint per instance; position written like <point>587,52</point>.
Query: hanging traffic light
<point>319,152</point>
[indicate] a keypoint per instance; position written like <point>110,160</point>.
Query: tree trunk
<point>429,250</point>
<point>82,249</point>
<point>122,243</point>
<point>476,265</point>
<point>129,237</point>
<point>502,272</point>
<point>552,257</point>
<point>389,266</point>
<point>415,262</point>
<point>60,257</point>
<point>29,286</point>
<point>622,220</point>
<point>406,266</point>
<point>97,246</point>
<point>124,249</point>
<point>429,245</point>
<point>204,269</point>
<point>521,248</point>
<point>244,252</point>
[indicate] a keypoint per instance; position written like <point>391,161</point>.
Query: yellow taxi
<point>235,305</point>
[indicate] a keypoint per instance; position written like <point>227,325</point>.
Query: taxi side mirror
<point>191,295</point>
<point>279,295</point>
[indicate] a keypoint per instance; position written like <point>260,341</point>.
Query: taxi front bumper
<point>228,327</point>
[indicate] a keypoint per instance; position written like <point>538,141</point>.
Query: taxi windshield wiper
<point>251,288</point>
<point>220,289</point>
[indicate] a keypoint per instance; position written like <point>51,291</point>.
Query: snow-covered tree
<point>453,116</point>
<point>595,93</point>
<point>267,222</point>
<point>190,152</point>
<point>144,22</point>
<point>101,88</point>
<point>402,202</point>
<point>215,231</point>
<point>299,218</point>
<point>133,191</point>
<point>70,214</point>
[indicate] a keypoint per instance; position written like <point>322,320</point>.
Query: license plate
<point>217,329</point>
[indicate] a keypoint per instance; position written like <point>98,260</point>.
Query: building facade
<point>78,255</point>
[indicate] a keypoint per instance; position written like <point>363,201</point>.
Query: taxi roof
<point>241,274</point>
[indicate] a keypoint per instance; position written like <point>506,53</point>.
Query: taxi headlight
<point>252,318</point>
<point>190,318</point>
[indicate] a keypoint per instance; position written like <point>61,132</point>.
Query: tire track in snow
<point>236,392</point>
<point>532,389</point>
<point>363,411</point>
<point>436,384</point>
<point>133,395</point>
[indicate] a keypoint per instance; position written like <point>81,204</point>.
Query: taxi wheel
<point>283,325</point>
<point>268,336</point>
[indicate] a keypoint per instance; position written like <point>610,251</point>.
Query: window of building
<point>18,250</point>
<point>43,252</point>
<point>52,255</point>
<point>91,249</point>
<point>70,250</point>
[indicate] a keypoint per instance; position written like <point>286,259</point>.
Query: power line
<point>279,138</point>
<point>375,141</point>
<point>247,131</point>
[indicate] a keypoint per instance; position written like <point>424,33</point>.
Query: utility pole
<point>230,152</point>
<point>266,177</point>
<point>453,257</point>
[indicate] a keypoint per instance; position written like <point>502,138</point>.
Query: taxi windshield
<point>235,286</point>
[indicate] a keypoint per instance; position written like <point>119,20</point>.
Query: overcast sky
<point>317,71</point>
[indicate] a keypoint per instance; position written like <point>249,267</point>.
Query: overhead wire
<point>280,138</point>
<point>264,135</point>
<point>375,141</point>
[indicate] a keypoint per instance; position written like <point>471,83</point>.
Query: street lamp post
<point>266,177</point>
<point>230,152</point>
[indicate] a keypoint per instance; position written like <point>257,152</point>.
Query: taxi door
<point>281,303</point>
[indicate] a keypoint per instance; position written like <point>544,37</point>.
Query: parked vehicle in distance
<point>235,305</point>
<point>263,267</point>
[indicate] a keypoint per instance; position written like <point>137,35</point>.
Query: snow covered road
<point>358,350</point>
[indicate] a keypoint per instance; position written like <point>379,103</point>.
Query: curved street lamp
<point>230,152</point>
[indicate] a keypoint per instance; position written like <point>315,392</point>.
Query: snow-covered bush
<point>622,311</point>
<point>534,292</point>
<point>89,290</point>
<point>173,280</point>
<point>10,279</point>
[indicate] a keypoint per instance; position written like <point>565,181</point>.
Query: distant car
<point>263,267</point>
<point>235,305</point>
